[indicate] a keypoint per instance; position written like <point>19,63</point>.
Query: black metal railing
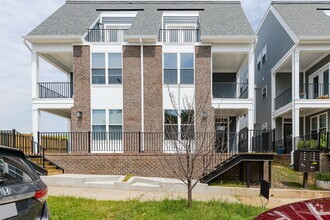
<point>317,141</point>
<point>179,35</point>
<point>55,90</point>
<point>314,91</point>
<point>283,146</point>
<point>139,142</point>
<point>230,90</point>
<point>106,35</point>
<point>31,149</point>
<point>283,98</point>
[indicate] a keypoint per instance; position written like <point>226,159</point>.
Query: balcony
<point>314,91</point>
<point>231,90</point>
<point>179,35</point>
<point>55,90</point>
<point>106,35</point>
<point>283,99</point>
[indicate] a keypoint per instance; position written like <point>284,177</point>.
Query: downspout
<point>142,96</point>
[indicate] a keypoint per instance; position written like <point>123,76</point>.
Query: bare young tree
<point>190,152</point>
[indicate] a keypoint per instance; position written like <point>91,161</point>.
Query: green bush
<point>301,144</point>
<point>323,176</point>
<point>323,140</point>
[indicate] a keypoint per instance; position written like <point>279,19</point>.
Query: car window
<point>13,170</point>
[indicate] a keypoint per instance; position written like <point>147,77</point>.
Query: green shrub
<point>323,140</point>
<point>301,144</point>
<point>323,176</point>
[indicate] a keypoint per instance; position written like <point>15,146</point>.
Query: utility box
<point>306,160</point>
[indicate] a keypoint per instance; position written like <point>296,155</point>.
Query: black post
<point>89,141</point>
<point>305,180</point>
<point>139,141</point>
<point>270,173</point>
<point>14,138</point>
<point>248,174</point>
<point>273,140</point>
<point>43,157</point>
<point>261,170</point>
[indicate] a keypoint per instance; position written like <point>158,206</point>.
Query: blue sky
<point>17,19</point>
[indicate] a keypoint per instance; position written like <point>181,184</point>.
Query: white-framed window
<point>264,55</point>
<point>259,64</point>
<point>264,126</point>
<point>107,68</point>
<point>107,120</point>
<point>178,74</point>
<point>98,68</point>
<point>264,92</point>
<point>115,124</point>
<point>319,123</point>
<point>178,126</point>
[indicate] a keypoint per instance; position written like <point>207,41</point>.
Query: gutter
<point>26,44</point>
<point>142,92</point>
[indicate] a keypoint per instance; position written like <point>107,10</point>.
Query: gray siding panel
<point>278,44</point>
<point>283,82</point>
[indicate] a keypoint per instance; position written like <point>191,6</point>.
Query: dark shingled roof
<point>303,17</point>
<point>217,18</point>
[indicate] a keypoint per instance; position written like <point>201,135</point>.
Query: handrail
<point>179,35</point>
<point>230,90</point>
<point>55,89</point>
<point>283,98</point>
<point>106,35</point>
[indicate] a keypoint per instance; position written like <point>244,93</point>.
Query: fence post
<point>89,141</point>
<point>273,139</point>
<point>139,141</point>
<point>14,138</point>
<point>43,157</point>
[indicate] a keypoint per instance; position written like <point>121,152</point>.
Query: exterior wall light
<point>79,114</point>
<point>204,115</point>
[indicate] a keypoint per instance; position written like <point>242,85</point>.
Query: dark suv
<point>22,193</point>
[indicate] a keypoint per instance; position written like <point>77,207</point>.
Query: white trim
<point>280,63</point>
<point>318,122</point>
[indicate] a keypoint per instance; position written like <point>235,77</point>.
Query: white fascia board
<point>66,103</point>
<point>232,103</point>
<point>42,39</point>
<point>263,19</point>
<point>228,38</point>
<point>315,47</point>
<point>284,24</point>
<point>232,48</point>
<point>283,110</point>
<point>312,103</point>
<point>52,48</point>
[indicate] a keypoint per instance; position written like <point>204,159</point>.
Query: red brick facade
<point>81,87</point>
<point>132,88</point>
<point>203,79</point>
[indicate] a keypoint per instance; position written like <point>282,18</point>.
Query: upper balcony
<point>232,90</point>
<point>106,35</point>
<point>55,90</point>
<point>179,35</point>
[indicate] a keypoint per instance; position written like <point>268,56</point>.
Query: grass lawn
<point>79,208</point>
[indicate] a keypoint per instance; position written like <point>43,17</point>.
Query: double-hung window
<point>176,124</point>
<point>259,64</point>
<point>170,68</point>
<point>182,74</point>
<point>186,68</point>
<point>115,124</point>
<point>264,55</point>
<point>171,124</point>
<point>99,124</point>
<point>114,68</point>
<point>318,124</point>
<point>98,68</point>
<point>109,72</point>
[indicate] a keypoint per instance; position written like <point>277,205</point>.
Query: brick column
<point>203,82</point>
<point>81,84</point>
<point>131,94</point>
<point>82,99</point>
<point>153,97</point>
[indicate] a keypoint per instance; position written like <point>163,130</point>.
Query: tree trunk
<point>189,194</point>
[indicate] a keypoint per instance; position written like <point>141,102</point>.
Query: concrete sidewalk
<point>106,187</point>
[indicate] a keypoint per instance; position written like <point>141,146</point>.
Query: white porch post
<point>251,75</point>
<point>250,128</point>
<point>295,95</point>
<point>34,73</point>
<point>35,124</point>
